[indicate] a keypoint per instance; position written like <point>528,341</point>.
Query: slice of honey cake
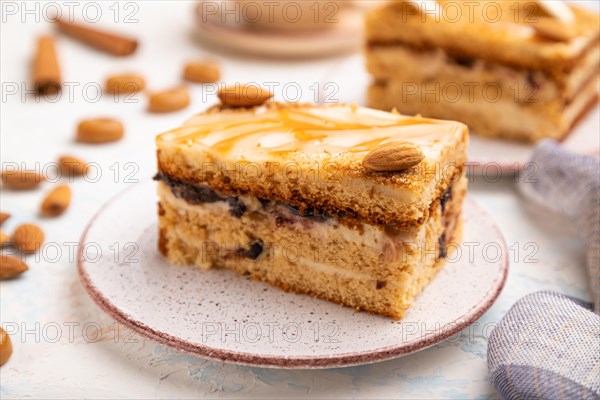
<point>521,69</point>
<point>348,204</point>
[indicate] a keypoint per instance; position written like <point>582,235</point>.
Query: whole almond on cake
<point>56,201</point>
<point>242,95</point>
<point>21,179</point>
<point>393,156</point>
<point>11,266</point>
<point>28,238</point>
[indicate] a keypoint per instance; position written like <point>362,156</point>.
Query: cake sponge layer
<point>369,267</point>
<point>504,118</point>
<point>497,31</point>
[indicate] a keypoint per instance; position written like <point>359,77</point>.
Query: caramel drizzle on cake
<point>303,131</point>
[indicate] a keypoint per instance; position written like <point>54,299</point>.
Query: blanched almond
<point>202,72</point>
<point>56,201</point>
<point>21,179</point>
<point>99,130</point>
<point>125,83</point>
<point>169,100</point>
<point>393,156</point>
<point>28,238</point>
<point>11,266</point>
<point>239,95</point>
<point>72,166</point>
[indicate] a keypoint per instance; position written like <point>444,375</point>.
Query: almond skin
<point>202,72</point>
<point>21,179</point>
<point>11,266</point>
<point>72,166</point>
<point>3,217</point>
<point>28,238</point>
<point>393,156</point>
<point>239,95</point>
<point>5,346</point>
<point>125,83</point>
<point>4,238</point>
<point>56,201</point>
<point>99,130</point>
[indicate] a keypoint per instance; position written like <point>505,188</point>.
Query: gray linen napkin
<point>570,184</point>
<point>548,345</point>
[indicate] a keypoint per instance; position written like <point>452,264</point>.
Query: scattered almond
<point>99,130</point>
<point>240,95</point>
<point>11,266</point>
<point>56,201</point>
<point>393,156</point>
<point>72,166</point>
<point>5,347</point>
<point>125,83</point>
<point>3,217</point>
<point>4,238</point>
<point>202,72</point>
<point>554,30</point>
<point>28,238</point>
<point>169,100</point>
<point>21,179</point>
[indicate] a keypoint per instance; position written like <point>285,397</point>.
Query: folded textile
<point>570,184</point>
<point>546,347</point>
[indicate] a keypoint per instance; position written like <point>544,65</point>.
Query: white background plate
<point>486,155</point>
<point>220,315</point>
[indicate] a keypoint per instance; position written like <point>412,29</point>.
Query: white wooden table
<point>65,347</point>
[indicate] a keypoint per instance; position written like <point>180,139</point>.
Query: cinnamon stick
<point>109,42</point>
<point>46,72</point>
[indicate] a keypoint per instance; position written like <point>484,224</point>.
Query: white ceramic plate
<point>486,156</point>
<point>220,315</point>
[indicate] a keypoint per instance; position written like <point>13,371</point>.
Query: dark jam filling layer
<point>199,194</point>
<point>445,198</point>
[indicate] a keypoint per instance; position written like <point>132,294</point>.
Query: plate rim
<point>296,362</point>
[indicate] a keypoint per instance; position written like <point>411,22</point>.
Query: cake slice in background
<point>348,204</point>
<point>510,69</point>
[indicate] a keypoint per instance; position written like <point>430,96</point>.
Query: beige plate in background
<point>344,36</point>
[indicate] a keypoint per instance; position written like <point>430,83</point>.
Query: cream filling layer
<point>166,195</point>
<point>370,236</point>
<point>437,66</point>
